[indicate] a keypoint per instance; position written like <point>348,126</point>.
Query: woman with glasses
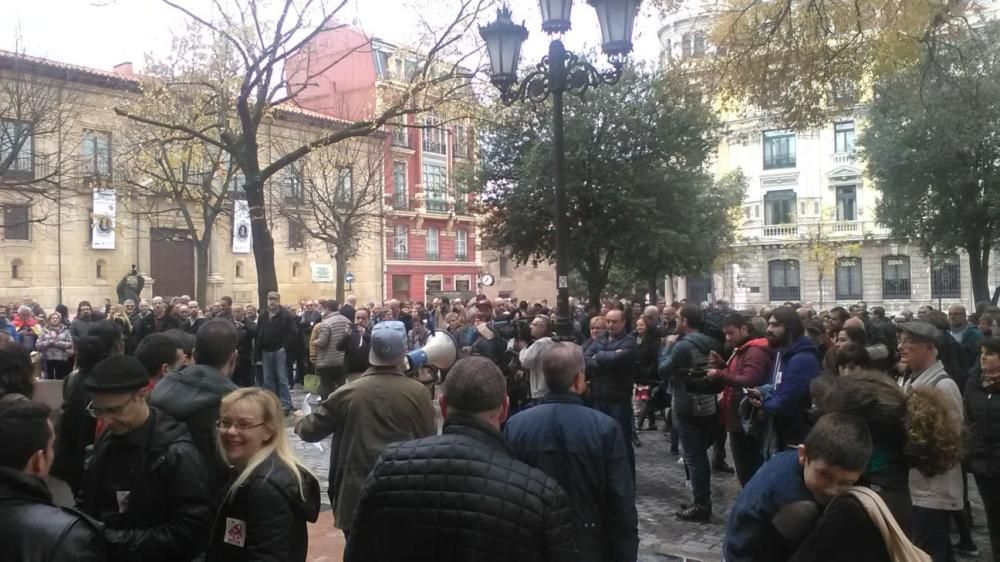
<point>271,496</point>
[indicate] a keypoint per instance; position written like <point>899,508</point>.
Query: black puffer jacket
<point>74,432</point>
<point>167,513</point>
<point>457,497</point>
<point>265,520</point>
<point>32,529</point>
<point>984,427</point>
<point>192,395</point>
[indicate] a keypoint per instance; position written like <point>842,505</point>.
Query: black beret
<point>117,373</point>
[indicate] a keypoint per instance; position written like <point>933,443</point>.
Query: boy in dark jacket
<point>781,503</point>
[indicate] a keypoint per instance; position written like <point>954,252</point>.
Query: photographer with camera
<point>683,367</point>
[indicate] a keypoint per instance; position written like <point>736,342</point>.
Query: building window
<point>946,277</point>
<point>291,182</point>
<point>783,280</point>
<point>843,93</point>
<point>399,191</point>
<point>847,206</point>
<point>463,284</point>
<point>432,243</point>
<point>95,154</point>
<point>296,270</point>
<point>16,222</point>
<point>17,270</point>
<point>779,207</point>
<point>239,270</point>
<point>461,142</point>
<point>16,137</point>
<point>296,233</point>
<point>896,277</point>
<point>848,279</point>
<point>401,287</point>
<point>435,138</point>
<point>432,283</point>
<point>461,245</point>
<point>345,186</point>
<point>100,269</point>
<point>435,187</point>
<point>400,134</point>
<point>400,242</point>
<point>381,59</point>
<point>693,44</point>
<point>779,149</point>
<point>843,137</point>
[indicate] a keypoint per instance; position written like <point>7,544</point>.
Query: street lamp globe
<point>503,40</point>
<point>617,19</point>
<point>555,15</point>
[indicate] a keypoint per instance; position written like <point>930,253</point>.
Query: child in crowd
<point>779,506</point>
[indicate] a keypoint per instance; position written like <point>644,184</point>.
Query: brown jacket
<point>381,407</point>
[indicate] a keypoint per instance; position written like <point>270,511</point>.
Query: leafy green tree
<point>639,195</point>
<point>798,59</point>
<point>933,150</point>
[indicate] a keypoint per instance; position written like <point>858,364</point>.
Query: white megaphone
<point>440,352</point>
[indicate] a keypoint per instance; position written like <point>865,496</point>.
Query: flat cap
<point>117,373</point>
<point>921,331</point>
<point>475,384</point>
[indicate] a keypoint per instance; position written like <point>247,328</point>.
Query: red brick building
<point>430,237</point>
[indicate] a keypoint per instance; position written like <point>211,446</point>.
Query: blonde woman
<point>119,317</point>
<point>271,496</point>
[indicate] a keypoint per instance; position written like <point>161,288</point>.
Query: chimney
<point>124,70</point>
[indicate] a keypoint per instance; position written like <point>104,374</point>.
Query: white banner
<point>102,225</point>
<point>242,236</point>
<point>322,272</point>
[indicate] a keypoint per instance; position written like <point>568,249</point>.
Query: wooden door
<point>171,258</point>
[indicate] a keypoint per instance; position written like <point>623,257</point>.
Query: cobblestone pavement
<point>661,488</point>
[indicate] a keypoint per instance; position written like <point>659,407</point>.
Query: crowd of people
<point>841,424</point>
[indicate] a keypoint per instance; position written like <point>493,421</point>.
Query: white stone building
<point>808,197</point>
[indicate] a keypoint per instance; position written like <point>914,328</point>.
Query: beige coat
<point>381,407</point>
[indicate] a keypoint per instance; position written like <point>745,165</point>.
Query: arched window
<point>17,269</point>
<point>848,279</point>
<point>896,277</point>
<point>100,269</point>
<point>783,280</point>
<point>239,270</point>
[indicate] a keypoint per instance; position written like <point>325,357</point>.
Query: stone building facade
<point>47,248</point>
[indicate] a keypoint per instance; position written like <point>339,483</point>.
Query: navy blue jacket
<point>795,366</point>
<point>749,532</point>
<point>584,450</point>
<point>611,366</point>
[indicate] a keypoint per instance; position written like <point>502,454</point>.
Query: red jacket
<point>748,367</point>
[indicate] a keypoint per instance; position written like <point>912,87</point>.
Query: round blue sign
<point>349,277</point>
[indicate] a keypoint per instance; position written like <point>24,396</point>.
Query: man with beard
<point>81,324</point>
<point>747,367</point>
<point>785,398</point>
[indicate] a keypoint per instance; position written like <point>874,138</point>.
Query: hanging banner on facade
<point>242,237</point>
<point>322,272</point>
<point>102,225</point>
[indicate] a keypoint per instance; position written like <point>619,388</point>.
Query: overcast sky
<point>102,33</point>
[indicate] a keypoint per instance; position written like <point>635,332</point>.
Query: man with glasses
<point>146,480</point>
<point>934,498</point>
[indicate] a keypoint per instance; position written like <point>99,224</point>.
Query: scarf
<point>991,381</point>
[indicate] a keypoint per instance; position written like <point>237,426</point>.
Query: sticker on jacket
<point>122,497</point>
<point>236,532</point>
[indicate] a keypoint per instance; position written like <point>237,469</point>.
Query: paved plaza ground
<point>661,488</point>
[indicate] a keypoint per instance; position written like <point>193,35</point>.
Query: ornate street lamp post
<point>558,73</point>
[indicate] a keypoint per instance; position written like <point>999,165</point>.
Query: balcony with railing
<point>845,157</point>
<point>803,230</point>
<point>461,255</point>
<point>785,293</point>
<point>779,161</point>
<point>432,255</point>
<point>400,137</point>
<point>434,146</point>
